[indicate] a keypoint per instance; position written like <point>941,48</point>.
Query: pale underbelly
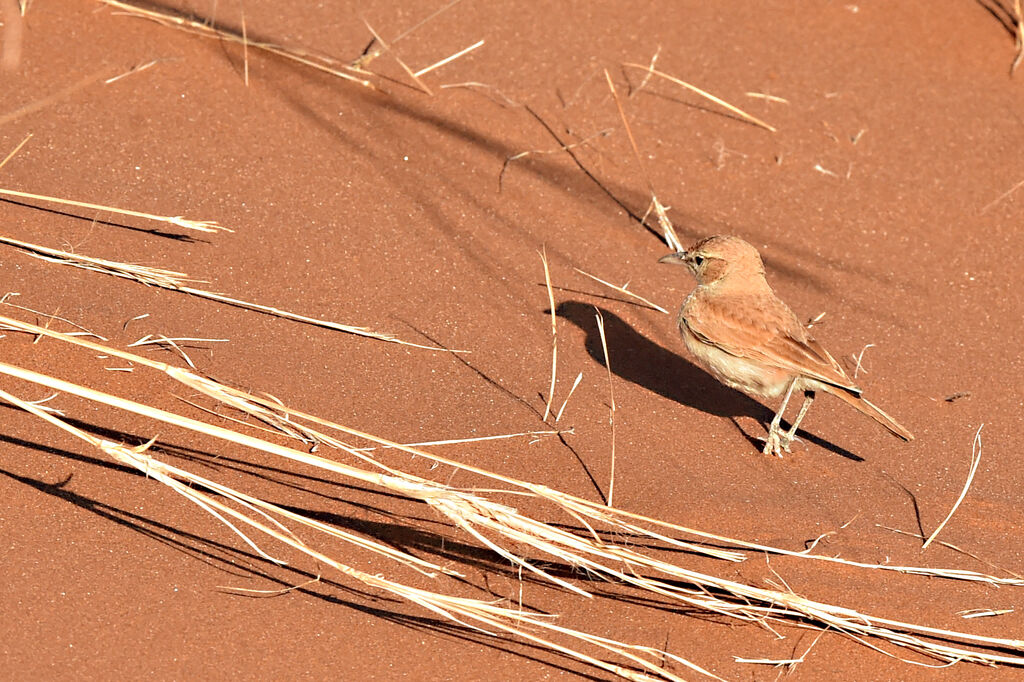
<point>739,373</point>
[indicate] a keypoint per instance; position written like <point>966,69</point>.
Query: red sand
<point>879,201</point>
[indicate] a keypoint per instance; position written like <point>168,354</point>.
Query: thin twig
<point>705,94</point>
<point>975,460</point>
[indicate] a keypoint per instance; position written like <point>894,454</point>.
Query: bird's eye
<point>698,261</point>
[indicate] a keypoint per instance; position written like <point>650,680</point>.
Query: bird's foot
<point>773,444</point>
<point>776,442</point>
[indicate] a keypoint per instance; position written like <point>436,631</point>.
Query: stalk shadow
<point>185,238</point>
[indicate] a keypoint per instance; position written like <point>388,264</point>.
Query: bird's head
<point>714,258</point>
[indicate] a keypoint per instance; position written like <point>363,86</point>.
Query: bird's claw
<point>776,442</point>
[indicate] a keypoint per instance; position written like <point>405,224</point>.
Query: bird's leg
<point>791,436</point>
<point>773,444</point>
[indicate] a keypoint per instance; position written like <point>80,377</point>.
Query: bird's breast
<point>743,374</point>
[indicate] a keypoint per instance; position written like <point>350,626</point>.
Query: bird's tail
<point>873,411</point>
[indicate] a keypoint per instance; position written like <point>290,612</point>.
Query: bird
<point>749,339</point>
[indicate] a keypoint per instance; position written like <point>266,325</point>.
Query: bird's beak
<point>674,258</point>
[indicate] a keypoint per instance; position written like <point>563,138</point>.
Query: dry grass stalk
<point>81,330</point>
<point>611,399</point>
<point>955,548</point>
<point>166,18</point>
<point>176,281</point>
<point>135,69</point>
<point>64,92</point>
<point>245,47</point>
<point>477,439</point>
<point>1019,25</point>
<point>460,610</point>
<point>468,511</point>
<point>666,225</point>
<point>624,289</point>
<point>449,59</point>
<point>533,152</point>
<point>579,378</point>
<point>178,221</point>
<point>15,151</point>
<point>405,67</point>
<point>647,77</point>
<point>619,520</point>
<point>706,95</point>
<point>982,613</point>
<point>625,564</point>
<point>150,340</point>
<point>991,203</point>
<point>554,333</point>
<point>767,98</point>
<point>975,461</point>
<point>859,359</point>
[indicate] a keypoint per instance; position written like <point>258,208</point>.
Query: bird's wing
<point>768,333</point>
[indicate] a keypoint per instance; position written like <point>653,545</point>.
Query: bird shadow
<point>641,361</point>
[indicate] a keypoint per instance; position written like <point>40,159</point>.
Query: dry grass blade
<point>666,225</point>
<point>706,95</point>
<point>624,290</point>
<point>172,20</point>
<point>611,399</point>
<point>449,59</point>
<point>15,151</point>
<point>176,281</point>
<point>554,334</point>
<point>975,460</point>
<point>178,221</point>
